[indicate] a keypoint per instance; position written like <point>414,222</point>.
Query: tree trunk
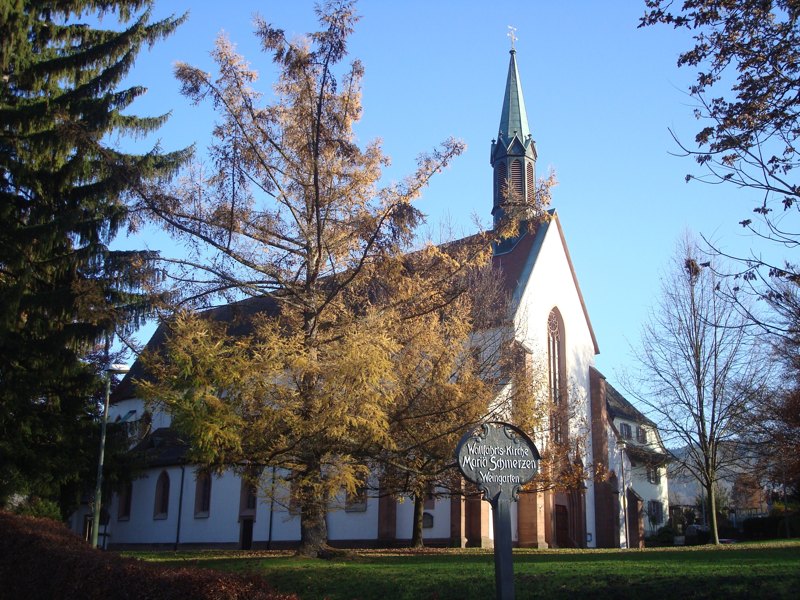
<point>419,510</point>
<point>313,528</point>
<point>712,508</point>
<point>313,510</point>
<point>313,507</point>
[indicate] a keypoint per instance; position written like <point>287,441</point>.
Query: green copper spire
<point>513,154</point>
<point>514,119</point>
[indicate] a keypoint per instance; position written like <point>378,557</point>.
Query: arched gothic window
<point>202,495</point>
<point>248,498</point>
<point>557,373</point>
<point>161,507</point>
<point>125,499</point>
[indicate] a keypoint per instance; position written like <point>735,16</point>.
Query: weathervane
<point>512,34</point>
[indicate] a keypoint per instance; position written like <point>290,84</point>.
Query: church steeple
<point>513,156</point>
<point>513,119</point>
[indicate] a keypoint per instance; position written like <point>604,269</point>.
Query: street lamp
<point>621,448</point>
<point>97,490</point>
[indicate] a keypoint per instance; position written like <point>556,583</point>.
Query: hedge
<point>41,558</point>
<point>771,527</point>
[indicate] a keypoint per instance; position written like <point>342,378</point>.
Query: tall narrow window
<point>641,435</point>
<point>248,499</point>
<point>557,379</point>
<point>125,496</point>
<point>653,475</point>
<point>161,507</point>
<point>655,511</point>
<point>202,495</point>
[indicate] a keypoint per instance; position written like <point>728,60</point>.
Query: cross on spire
<point>512,34</point>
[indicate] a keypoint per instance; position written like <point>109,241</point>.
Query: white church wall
<point>143,526</point>
<point>221,523</point>
<point>404,519</point>
<point>344,524</point>
<point>285,526</point>
<point>551,285</point>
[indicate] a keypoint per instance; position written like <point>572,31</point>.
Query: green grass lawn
<point>765,570</point>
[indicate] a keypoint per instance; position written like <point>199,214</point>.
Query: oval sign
<point>499,458</point>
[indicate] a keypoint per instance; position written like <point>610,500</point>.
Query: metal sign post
<point>499,458</point>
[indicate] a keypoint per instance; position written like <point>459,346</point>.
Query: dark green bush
<point>41,558</point>
<point>771,527</point>
<point>665,536</point>
<point>38,507</point>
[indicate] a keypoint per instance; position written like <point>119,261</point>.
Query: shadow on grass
<point>732,572</point>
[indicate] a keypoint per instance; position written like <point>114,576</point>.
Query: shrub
<point>771,527</point>
<point>38,507</point>
<point>40,558</point>
<point>665,536</point>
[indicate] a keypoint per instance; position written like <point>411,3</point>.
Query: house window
<point>430,501</point>
<point>161,507</point>
<point>356,502</point>
<point>653,475</point>
<point>124,509</point>
<point>641,435</point>
<point>427,520</point>
<point>202,495</point>
<point>655,511</point>
<point>556,370</point>
<point>625,430</point>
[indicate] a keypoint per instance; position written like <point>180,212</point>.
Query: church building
<point>623,498</point>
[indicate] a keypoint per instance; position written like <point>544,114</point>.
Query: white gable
<point>548,281</point>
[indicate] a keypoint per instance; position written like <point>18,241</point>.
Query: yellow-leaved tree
<point>291,224</point>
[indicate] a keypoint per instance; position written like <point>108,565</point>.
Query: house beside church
<point>173,504</point>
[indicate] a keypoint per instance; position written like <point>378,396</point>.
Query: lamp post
<point>103,424</point>
<point>621,448</point>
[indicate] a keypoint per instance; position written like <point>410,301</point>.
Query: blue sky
<point>601,96</point>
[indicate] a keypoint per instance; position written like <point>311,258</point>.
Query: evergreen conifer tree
<point>63,198</point>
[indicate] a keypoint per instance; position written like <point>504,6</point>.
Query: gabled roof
<point>162,448</point>
<point>619,407</point>
<point>517,264</point>
<point>237,314</point>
